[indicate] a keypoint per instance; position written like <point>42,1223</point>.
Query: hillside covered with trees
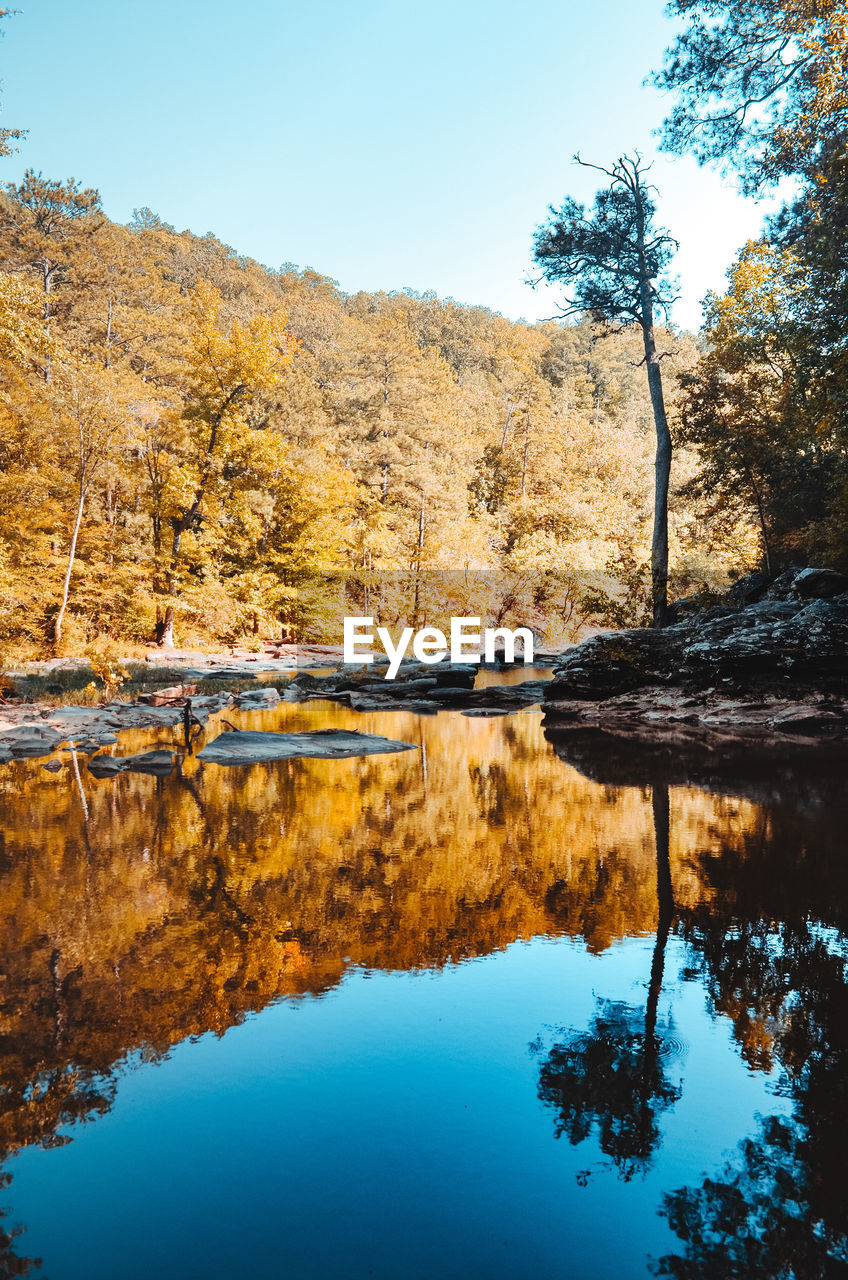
<point>200,434</point>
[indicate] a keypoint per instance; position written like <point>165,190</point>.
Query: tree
<point>221,446</point>
<point>94,412</point>
<point>758,82</point>
<point>22,334</point>
<point>615,260</point>
<point>41,220</point>
<point>765,407</point>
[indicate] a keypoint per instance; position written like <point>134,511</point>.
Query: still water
<point>498,1007</point>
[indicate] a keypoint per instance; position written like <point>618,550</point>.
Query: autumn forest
<point>187,435</point>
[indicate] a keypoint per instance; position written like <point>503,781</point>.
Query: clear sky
<point>387,145</point>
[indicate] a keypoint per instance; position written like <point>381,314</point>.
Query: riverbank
<point>769,662</point>
<point>770,658</point>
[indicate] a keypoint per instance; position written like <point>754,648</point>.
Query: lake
<point>501,1006</point>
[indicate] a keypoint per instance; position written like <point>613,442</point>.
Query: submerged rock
<point>255,747</point>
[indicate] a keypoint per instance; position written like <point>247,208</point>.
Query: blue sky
<point>388,145</point>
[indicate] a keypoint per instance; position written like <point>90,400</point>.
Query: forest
<point>189,438</point>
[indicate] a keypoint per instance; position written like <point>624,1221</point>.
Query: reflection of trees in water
<point>778,1208</point>
<point>11,1263</point>
<point>612,1078</point>
<point>760,1218</point>
<point>181,904</point>
<point>171,907</point>
<point>768,932</point>
<point>33,1110</point>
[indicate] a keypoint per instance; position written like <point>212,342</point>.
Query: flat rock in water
<point>254,747</point>
<point>159,763</point>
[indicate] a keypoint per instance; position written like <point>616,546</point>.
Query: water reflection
<point>137,912</point>
<point>613,1078</point>
<point>767,934</point>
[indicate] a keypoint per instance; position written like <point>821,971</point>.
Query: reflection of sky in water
<point>391,1128</point>
<point>389,1124</point>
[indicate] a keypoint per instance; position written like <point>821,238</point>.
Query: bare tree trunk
<point>165,638</point>
<point>662,478</point>
<point>47,277</point>
<point>72,551</point>
<point>662,460</point>
<point>506,426</point>
<point>107,360</point>
<point>165,628</point>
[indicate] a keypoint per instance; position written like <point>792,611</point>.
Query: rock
<point>487,711</point>
<point>257,699</point>
<point>31,740</point>
<point>372,702</point>
<point>160,763</point>
<point>443,694</point>
<point>747,590</point>
<point>53,766</point>
<point>617,662</point>
<point>780,587</point>
<point>807,720</point>
<point>105,766</point>
<point>819,584</point>
<point>177,693</point>
<point>765,647</point>
<point>253,747</point>
<point>398,688</point>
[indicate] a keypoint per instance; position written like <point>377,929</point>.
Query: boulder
<point>253,747</point>
<point>819,584</point>
<point>747,590</point>
<point>373,702</point>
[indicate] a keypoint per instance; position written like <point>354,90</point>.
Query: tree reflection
<point>11,1263</point>
<point>612,1078</point>
<point>759,1220</point>
<point>772,948</point>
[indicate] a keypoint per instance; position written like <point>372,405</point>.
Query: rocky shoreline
<point>768,663</point>
<point>771,659</point>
